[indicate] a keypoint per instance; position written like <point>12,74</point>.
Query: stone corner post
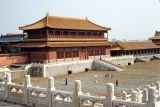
<point>27,84</point>
<point>50,89</point>
<point>109,95</point>
<point>152,98</point>
<point>77,93</point>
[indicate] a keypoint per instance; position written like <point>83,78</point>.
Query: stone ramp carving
<point>106,65</point>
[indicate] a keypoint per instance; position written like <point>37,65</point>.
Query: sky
<point>128,19</point>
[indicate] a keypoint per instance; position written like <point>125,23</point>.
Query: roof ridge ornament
<point>47,14</point>
<point>86,18</point>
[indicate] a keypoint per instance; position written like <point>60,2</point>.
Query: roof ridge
<point>133,41</point>
<point>97,24</point>
<point>120,46</point>
<point>48,21</point>
<point>62,17</point>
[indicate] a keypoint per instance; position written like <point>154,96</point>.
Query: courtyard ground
<point>134,76</point>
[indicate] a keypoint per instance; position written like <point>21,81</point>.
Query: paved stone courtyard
<point>135,75</point>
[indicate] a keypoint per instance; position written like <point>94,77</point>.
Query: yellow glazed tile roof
<point>57,22</point>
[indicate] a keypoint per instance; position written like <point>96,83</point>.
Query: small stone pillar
<point>134,95</point>
<point>7,82</point>
<point>27,80</point>
<point>158,87</point>
<point>151,97</point>
<point>8,78</point>
<point>51,84</point>
<point>124,95</point>
<point>151,94</point>
<point>138,94</point>
<point>109,95</point>
<point>148,86</point>
<point>50,90</point>
<point>43,70</point>
<point>77,93</point>
<point>145,95</point>
<point>26,91</point>
<point>152,84</point>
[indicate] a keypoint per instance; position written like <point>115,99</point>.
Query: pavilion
<point>55,38</point>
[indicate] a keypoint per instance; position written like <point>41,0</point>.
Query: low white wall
<point>122,60</point>
<point>63,68</point>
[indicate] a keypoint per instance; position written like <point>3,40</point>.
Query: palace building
<point>55,38</point>
<point>135,48</point>
<point>156,38</point>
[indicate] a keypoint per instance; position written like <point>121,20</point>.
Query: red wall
<point>8,59</point>
<point>107,51</point>
<point>38,56</point>
<point>52,55</point>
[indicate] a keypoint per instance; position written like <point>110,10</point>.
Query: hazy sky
<point>129,19</point>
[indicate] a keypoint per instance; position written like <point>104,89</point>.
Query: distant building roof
<point>156,36</point>
<point>57,22</point>
<point>11,37</point>
<point>134,45</point>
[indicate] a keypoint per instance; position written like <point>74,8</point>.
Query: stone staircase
<point>156,56</point>
<point>106,65</point>
<point>143,58</point>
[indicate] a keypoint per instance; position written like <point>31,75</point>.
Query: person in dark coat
<point>117,83</point>
<point>66,81</point>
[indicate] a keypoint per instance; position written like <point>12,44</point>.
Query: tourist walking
<point>117,83</point>
<point>66,81</point>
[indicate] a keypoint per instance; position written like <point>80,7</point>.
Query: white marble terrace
<point>28,95</point>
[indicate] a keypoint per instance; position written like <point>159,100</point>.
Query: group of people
<point>108,75</point>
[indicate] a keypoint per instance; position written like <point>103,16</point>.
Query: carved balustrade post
<point>134,95</point>
<point>145,95</point>
<point>27,84</point>
<point>109,95</point>
<point>124,95</point>
<point>77,93</point>
<point>51,88</point>
<point>7,82</point>
<point>158,87</point>
<point>152,97</point>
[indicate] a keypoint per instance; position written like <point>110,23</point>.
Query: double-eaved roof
<point>135,45</point>
<point>57,22</point>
